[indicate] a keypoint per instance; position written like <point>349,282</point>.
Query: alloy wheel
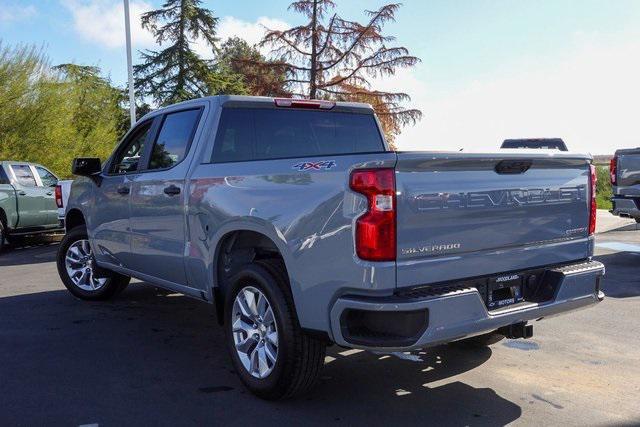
<point>255,332</point>
<point>79,264</point>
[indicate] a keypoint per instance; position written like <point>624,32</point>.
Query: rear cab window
<point>246,134</point>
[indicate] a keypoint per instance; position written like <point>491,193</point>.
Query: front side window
<point>24,176</point>
<point>48,179</point>
<point>128,158</point>
<point>262,134</point>
<point>173,139</point>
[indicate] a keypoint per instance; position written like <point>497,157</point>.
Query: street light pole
<point>132,99</point>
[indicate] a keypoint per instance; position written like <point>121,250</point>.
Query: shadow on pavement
<point>621,279</point>
<point>157,358</point>
<point>628,227</point>
<point>30,250</point>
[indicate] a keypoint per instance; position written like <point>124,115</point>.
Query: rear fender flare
<point>256,225</point>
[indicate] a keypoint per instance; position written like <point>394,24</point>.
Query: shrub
<point>603,188</point>
<point>50,115</point>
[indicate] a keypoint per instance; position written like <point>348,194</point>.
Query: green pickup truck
<point>27,200</point>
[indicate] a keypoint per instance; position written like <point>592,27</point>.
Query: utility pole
<point>127,28</point>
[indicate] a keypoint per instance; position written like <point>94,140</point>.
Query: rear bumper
<point>461,312</point>
<point>625,207</point>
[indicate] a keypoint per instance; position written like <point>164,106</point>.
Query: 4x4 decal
<point>315,166</point>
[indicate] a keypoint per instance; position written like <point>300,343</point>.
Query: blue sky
<point>490,69</point>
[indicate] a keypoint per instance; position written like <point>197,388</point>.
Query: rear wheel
<point>274,358</point>
<point>77,269</point>
<point>637,220</point>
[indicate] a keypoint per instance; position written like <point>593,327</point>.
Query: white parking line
<point>619,246</point>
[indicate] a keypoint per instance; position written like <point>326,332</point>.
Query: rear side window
<point>24,176</point>
<point>48,179</point>
<point>255,134</point>
<point>173,139</point>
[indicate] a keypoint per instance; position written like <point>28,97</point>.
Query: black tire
<point>484,340</point>
<point>299,357</point>
<point>114,282</point>
<point>637,220</point>
<point>3,237</point>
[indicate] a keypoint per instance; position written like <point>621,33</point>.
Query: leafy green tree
<point>240,59</point>
<point>95,98</point>
<point>33,114</point>
<point>50,114</point>
<point>177,73</point>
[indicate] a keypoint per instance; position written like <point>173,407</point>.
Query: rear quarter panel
<point>308,215</point>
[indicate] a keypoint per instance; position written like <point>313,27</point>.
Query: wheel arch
<point>236,248</point>
<point>73,218</point>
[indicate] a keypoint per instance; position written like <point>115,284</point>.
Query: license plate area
<point>504,291</point>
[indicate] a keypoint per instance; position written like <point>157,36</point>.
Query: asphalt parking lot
<point>149,357</point>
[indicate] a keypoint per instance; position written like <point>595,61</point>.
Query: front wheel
<point>274,358</point>
<point>3,237</point>
<point>77,269</point>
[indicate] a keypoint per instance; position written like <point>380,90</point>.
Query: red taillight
<point>58,193</point>
<point>304,103</point>
<point>376,229</point>
<point>592,211</point>
<point>613,170</point>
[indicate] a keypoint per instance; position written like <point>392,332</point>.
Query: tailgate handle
<point>512,167</point>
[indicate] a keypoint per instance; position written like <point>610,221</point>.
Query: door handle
<point>49,193</point>
<point>172,190</point>
<point>22,193</point>
<point>123,190</point>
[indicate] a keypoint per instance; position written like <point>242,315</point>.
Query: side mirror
<point>86,166</point>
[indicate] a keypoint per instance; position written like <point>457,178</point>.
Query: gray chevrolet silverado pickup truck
<point>303,229</point>
<point>624,170</point>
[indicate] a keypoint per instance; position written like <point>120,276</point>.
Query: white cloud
<point>590,99</point>
<point>102,21</point>
<point>251,32</point>
<point>13,12</point>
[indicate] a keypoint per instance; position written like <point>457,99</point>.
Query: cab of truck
<point>27,200</point>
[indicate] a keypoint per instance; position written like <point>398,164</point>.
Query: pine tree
<point>177,73</point>
<point>238,57</point>
<point>333,58</point>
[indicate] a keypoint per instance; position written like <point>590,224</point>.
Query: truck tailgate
<point>464,215</point>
